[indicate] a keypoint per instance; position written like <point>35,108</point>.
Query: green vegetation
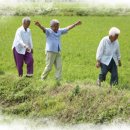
<point>63,9</point>
<point>75,98</point>
<point>67,103</point>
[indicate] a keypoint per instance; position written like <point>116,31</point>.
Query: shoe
<point>29,75</point>
<point>98,82</point>
<point>42,79</point>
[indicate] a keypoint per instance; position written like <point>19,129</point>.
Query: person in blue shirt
<point>53,46</point>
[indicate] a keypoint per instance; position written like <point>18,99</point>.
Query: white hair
<point>113,31</point>
<point>26,19</point>
<point>54,21</point>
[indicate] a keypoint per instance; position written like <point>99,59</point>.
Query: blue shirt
<point>53,42</point>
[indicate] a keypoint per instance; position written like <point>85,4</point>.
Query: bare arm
<point>73,25</point>
<point>40,26</point>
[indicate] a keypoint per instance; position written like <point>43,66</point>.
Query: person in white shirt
<point>108,56</point>
<point>53,46</point>
<point>23,48</point>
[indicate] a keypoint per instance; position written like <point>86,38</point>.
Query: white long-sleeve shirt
<point>21,39</point>
<point>108,50</point>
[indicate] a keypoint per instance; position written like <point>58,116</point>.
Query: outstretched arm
<point>73,25</point>
<point>40,26</point>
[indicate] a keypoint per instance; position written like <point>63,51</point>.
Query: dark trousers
<point>112,68</point>
<point>20,59</point>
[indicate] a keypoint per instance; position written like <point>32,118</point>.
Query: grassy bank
<point>63,9</point>
<point>76,98</point>
<point>70,103</point>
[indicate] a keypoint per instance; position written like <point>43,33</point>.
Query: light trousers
<point>52,58</point>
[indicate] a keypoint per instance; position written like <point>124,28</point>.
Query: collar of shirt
<point>111,43</point>
<point>23,29</point>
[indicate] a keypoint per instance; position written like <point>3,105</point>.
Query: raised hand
<point>78,22</point>
<point>40,26</point>
<point>37,23</point>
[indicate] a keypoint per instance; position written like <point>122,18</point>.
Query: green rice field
<point>78,46</point>
<point>76,98</point>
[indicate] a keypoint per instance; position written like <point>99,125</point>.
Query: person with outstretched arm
<point>53,46</point>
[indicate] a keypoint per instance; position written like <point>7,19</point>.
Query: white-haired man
<point>53,46</point>
<point>108,56</point>
<point>23,48</point>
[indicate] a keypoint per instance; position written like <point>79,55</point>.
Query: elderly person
<point>23,48</point>
<point>108,56</point>
<point>53,46</point>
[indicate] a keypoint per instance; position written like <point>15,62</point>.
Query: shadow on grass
<point>2,72</point>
